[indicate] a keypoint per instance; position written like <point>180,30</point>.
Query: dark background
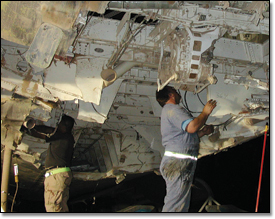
<point>232,175</point>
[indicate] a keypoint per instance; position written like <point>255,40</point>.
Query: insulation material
<point>97,6</point>
<point>88,78</point>
<point>60,13</point>
<point>16,110</point>
<point>92,112</point>
<point>44,45</point>
<point>20,21</point>
<point>60,81</point>
<point>10,135</point>
<point>13,114</point>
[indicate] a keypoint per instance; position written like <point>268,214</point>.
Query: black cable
<point>13,54</point>
<point>98,112</point>
<point>201,112</point>
<point>187,104</point>
<point>200,99</point>
<point>226,122</point>
<point>186,101</point>
<point>79,31</point>
<point>14,196</point>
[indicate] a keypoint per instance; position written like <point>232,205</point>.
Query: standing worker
<point>180,137</point>
<point>58,176</point>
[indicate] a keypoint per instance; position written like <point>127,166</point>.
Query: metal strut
<point>208,202</point>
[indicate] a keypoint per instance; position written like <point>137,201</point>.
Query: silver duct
<point>110,75</point>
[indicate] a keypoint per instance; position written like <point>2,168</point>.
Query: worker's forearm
<point>34,133</point>
<point>44,129</point>
<point>196,124</point>
<point>38,131</point>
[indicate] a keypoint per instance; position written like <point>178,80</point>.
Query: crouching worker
<point>180,137</point>
<point>58,174</point>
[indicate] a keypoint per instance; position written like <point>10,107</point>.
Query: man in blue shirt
<point>180,137</point>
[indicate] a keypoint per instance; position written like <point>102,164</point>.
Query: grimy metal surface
<point>105,64</point>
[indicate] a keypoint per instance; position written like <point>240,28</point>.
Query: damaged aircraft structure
<point>101,63</point>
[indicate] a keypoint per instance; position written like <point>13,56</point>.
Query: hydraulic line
<point>5,178</point>
<point>16,179</point>
<point>261,171</point>
<point>227,122</point>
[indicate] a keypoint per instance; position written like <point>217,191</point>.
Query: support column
<point>5,178</point>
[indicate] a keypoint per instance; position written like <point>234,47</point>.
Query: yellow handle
<point>266,128</point>
<point>16,179</point>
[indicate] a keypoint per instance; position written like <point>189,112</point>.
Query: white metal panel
<point>111,148</point>
<point>98,113</point>
<point>153,136</point>
<point>61,80</point>
<point>105,154</point>
<point>240,50</point>
<point>103,51</point>
<point>88,78</point>
<point>24,85</point>
<point>105,30</point>
<point>228,101</point>
<point>155,106</point>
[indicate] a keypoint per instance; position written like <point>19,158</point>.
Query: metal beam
<point>5,178</point>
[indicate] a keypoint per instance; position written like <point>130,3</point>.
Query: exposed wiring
<point>23,59</point>
<point>13,201</point>
<point>109,125</point>
<point>98,112</point>
<point>12,54</point>
<point>125,147</point>
<point>200,99</point>
<point>94,198</point>
<point>142,163</point>
<point>16,179</point>
<point>89,17</point>
<point>79,32</point>
<point>187,108</point>
<point>182,100</point>
<point>227,122</point>
<point>129,35</point>
<point>19,68</point>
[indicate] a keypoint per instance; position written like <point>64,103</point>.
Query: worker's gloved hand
<point>208,129</point>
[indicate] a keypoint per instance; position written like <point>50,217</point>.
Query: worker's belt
<point>179,155</point>
<point>57,170</point>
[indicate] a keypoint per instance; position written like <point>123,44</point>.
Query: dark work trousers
<point>178,175</point>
